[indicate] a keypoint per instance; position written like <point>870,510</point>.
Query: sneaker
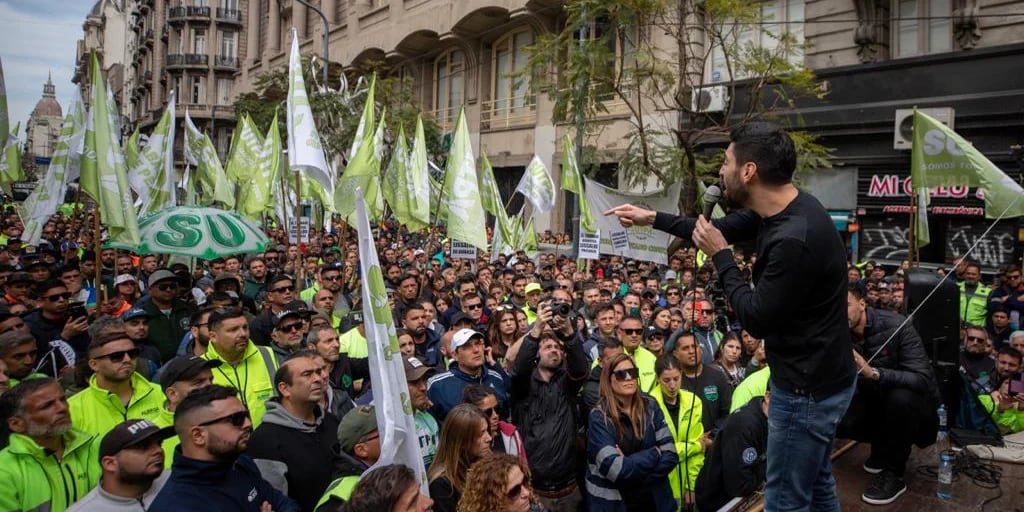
<point>884,489</point>
<point>872,466</point>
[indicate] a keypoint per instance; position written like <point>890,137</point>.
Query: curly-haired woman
<point>498,483</point>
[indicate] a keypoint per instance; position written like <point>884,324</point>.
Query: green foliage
<point>646,58</point>
<point>337,114</point>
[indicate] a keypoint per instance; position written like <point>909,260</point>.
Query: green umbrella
<point>199,232</point>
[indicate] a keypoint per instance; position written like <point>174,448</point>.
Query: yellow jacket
<point>686,432</point>
<point>253,377</point>
<point>96,410</point>
<point>33,478</point>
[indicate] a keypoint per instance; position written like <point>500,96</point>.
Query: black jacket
<point>591,392</point>
<point>298,459</point>
<point>45,331</point>
<point>901,364</point>
<point>798,304</point>
<point>545,412</point>
<point>201,485</point>
<point>735,466</point>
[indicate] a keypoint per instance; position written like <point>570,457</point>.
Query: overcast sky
<point>36,37</point>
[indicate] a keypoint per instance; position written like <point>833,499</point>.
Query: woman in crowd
<point>727,357</point>
<point>662,319</point>
<point>646,310</point>
<point>630,450</point>
<point>498,483</point>
<point>683,411</point>
<point>406,345</point>
<point>522,320</point>
<point>504,436</point>
<point>391,488</point>
<point>677,319</point>
<point>502,331</point>
<point>464,439</point>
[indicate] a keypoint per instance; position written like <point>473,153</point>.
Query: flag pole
<point>912,257</point>
<point>100,290</point>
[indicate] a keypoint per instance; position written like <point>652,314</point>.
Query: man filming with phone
<point>53,321</point>
<point>1006,404</point>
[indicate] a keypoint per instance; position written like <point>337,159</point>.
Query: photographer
<point>550,368</point>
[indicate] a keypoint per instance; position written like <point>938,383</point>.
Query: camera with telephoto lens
<point>561,308</point>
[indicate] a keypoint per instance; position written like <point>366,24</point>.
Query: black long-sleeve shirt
<point>735,465</point>
<point>798,301</point>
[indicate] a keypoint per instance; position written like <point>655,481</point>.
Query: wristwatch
<point>875,374</point>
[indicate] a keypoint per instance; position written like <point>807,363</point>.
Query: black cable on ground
<point>982,474</point>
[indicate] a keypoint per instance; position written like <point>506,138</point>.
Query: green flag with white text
<point>246,150</point>
<point>255,196</point>
<point>419,177</point>
<point>11,170</point>
<point>461,191</point>
<point>363,169</point>
<point>397,184</point>
<point>572,181</point>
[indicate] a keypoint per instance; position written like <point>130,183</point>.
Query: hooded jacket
<point>96,410</point>
<point>234,485</point>
<point>686,431</point>
<point>295,457</point>
<point>34,479</point>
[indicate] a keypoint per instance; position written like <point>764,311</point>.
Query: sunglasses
<point>58,297</point>
<point>627,374</point>
<point>332,279</point>
<point>290,327</point>
<point>516,491</point>
<point>118,356</point>
<point>633,331</point>
<point>236,419</point>
<point>489,411</point>
<point>975,339</point>
<point>166,287</point>
<point>473,306</point>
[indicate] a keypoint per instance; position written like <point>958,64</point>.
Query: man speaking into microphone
<point>797,304</point>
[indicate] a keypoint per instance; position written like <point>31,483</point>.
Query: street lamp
<point>323,20</point>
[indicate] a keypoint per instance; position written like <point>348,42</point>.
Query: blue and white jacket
<point>610,473</point>
<point>445,389</point>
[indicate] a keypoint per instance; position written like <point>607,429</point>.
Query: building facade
<point>42,132</point>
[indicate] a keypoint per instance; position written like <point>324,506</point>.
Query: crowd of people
<point>536,383</point>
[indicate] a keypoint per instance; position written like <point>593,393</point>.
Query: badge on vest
<point>711,393</point>
<point>749,456</point>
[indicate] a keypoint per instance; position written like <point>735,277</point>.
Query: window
<point>229,4</point>
<point>198,90</point>
<point>449,80</point>
<point>228,44</point>
<point>200,3</point>
<point>921,27</point>
<point>177,87</point>
<point>778,17</point>
<point>510,57</point>
<point>224,91</point>
<point>199,41</point>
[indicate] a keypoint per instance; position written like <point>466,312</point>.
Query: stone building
<point>42,132</point>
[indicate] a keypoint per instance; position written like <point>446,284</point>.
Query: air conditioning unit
<point>710,99</point>
<point>903,126</point>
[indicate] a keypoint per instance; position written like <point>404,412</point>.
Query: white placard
<point>620,239</point>
<point>463,250</point>
<point>590,245</point>
<point>304,222</point>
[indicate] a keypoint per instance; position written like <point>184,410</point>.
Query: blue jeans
<point>800,435</point>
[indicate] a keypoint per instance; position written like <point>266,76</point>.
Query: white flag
<point>537,186</point>
<point>395,422</point>
<point>305,151</point>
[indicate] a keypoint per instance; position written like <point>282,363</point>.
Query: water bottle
<point>942,441</point>
<point>945,490</point>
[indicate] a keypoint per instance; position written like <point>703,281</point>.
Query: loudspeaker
<point>938,320</point>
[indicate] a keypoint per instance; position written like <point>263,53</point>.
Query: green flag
<point>363,169</point>
<point>941,158</point>
<point>152,175</point>
<point>200,152</point>
<point>461,192</point>
<point>49,193</point>
<point>11,170</point>
<point>5,123</point>
<point>529,239</point>
<point>131,152</point>
<point>419,177</point>
<point>572,181</point>
<point>246,150</point>
<point>490,196</point>
<point>397,185</point>
<point>255,196</point>
<point>104,177</point>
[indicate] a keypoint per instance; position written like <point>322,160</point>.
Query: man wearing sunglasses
<point>210,469</point>
<point>280,296</point>
<point>168,314</point>
<point>51,322</point>
<point>329,277</point>
<point>116,391</point>
<point>289,332</point>
<point>976,359</point>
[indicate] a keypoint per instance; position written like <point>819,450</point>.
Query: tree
<point>337,112</point>
<point>649,57</point>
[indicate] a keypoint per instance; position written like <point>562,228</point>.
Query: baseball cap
<point>134,313</point>
<point>654,331</point>
<point>184,367</point>
<point>461,317</point>
<point>295,308</point>
<point>161,275</point>
<point>532,287</point>
<point>670,275</point>
<point>124,278</point>
<point>463,336</point>
<point>414,368</point>
<point>225,276</point>
<point>418,252</point>
<point>131,433</point>
<point>355,426</point>
<point>19,277</point>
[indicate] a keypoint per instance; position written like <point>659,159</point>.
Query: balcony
<point>147,77</point>
<point>505,113</point>
<point>229,15</point>
<point>187,60</point>
<point>445,118</point>
<point>226,62</point>
<point>177,14</point>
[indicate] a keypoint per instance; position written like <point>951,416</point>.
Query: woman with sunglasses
<point>465,438</point>
<point>498,483</point>
<point>682,411</point>
<point>630,451</point>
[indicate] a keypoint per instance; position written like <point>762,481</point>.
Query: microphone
<point>711,197</point>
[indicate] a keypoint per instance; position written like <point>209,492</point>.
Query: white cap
<point>463,336</point>
<point>418,252</point>
<point>124,278</point>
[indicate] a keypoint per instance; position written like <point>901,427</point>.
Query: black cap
<point>184,367</point>
<point>461,317</point>
<point>295,308</point>
<point>131,433</point>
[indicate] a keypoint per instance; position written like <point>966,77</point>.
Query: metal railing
<point>188,59</point>
<point>191,11</point>
<point>233,15</point>
<point>446,117</point>
<point>506,113</point>
<point>225,61</point>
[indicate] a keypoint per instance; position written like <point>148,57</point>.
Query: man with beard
<point>255,279</point>
<point>428,342</point>
<point>293,447</point>
<point>328,278</point>
<point>408,293</point>
<point>247,367</point>
<point>976,360</point>
<point>136,325</point>
<point>708,382</point>
<point>210,470</point>
<point>280,298</point>
<point>116,391</point>
<point>168,314</point>
<point>199,330</point>
<point>797,303</point>
<point>132,461</point>
<point>43,444</point>
<point>545,393</point>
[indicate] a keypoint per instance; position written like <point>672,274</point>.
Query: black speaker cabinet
<point>938,320</point>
